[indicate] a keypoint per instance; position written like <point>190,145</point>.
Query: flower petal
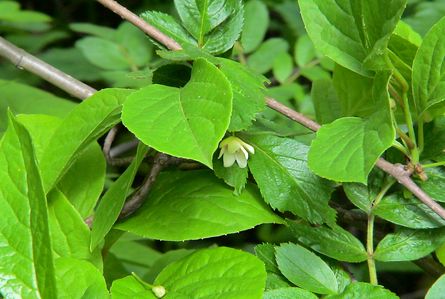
<point>241,159</point>
<point>221,152</point>
<point>249,148</point>
<point>228,159</point>
<point>246,154</point>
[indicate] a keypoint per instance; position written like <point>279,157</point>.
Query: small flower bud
<point>159,291</point>
<point>234,149</point>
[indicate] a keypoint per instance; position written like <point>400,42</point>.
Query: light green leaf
<point>103,53</point>
<point>10,12</point>
<point>24,99</point>
<point>351,32</point>
<point>407,244</point>
<point>188,122</point>
<point>282,67</point>
<point>87,171</point>
<point>129,287</point>
<point>137,48</point>
<point>429,73</point>
<point>26,261</point>
<point>305,269</point>
<point>248,93</point>
<point>93,29</point>
<point>77,279</point>
<point>166,259</point>
<point>357,289</point>
<point>256,21</point>
<point>280,169</point>
<point>336,243</point>
<point>208,208</point>
<point>87,122</point>
<point>437,289</point>
<point>261,61</point>
<point>167,25</point>
<point>304,51</point>
<point>70,236</point>
<point>408,212</point>
<point>214,273</point>
<point>112,202</point>
<point>289,293</point>
<point>347,149</point>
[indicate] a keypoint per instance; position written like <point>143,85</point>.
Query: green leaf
<point>111,204</point>
<point>275,281</point>
<point>207,208</point>
<point>70,236</point>
<point>266,253</point>
<point>336,242</point>
<point>10,12</point>
<point>188,122</point>
<point>282,67</point>
<point>280,169</point>
<point>165,260</point>
<point>87,122</point>
<point>305,269</point>
<point>437,289</point>
<point>77,279</point>
<point>214,273</point>
<point>233,176</point>
<point>87,171</point>
<point>351,32</point>
<point>357,289</point>
<point>261,61</point>
<point>407,244</point>
<point>428,72</point>
<point>289,293</point>
<point>426,14</point>
<point>435,184</point>
<point>137,48</point>
<point>256,22</point>
<point>304,51</point>
<point>408,212</point>
<point>93,29</point>
<point>326,103</point>
<point>24,99</point>
<point>26,261</point>
<point>248,93</point>
<point>129,287</point>
<point>167,25</point>
<point>435,140</point>
<point>347,149</point>
<point>103,53</point>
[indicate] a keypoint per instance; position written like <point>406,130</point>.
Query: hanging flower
<point>234,149</point>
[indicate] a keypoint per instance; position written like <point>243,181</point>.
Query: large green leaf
<point>357,289</point>
<point>350,32</point>
<point>77,279</point>
<point>408,244</point>
<point>185,122</point>
<point>437,289</point>
<point>305,269</point>
<point>217,273</point>
<point>326,104</point>
<point>347,149</point>
<point>280,169</point>
<point>88,121</point>
<point>429,71</point>
<point>289,293</point>
<point>87,171</point>
<point>26,260</point>
<point>26,99</point>
<point>201,203</point>
<point>334,242</point>
<point>70,236</point>
<point>256,21</point>
<point>129,287</point>
<point>112,202</point>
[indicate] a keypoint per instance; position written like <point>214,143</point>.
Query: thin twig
<point>55,76</point>
<point>23,60</point>
<point>108,142</point>
<point>160,162</point>
<point>141,24</point>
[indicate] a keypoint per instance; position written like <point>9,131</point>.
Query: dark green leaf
<point>334,242</point>
<point>305,269</point>
<point>200,202</point>
<point>280,169</point>
<point>266,253</point>
<point>357,289</point>
<point>326,104</point>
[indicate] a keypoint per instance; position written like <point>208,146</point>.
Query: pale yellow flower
<point>234,149</point>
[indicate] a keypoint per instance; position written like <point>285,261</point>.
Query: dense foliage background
<point>198,210</point>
